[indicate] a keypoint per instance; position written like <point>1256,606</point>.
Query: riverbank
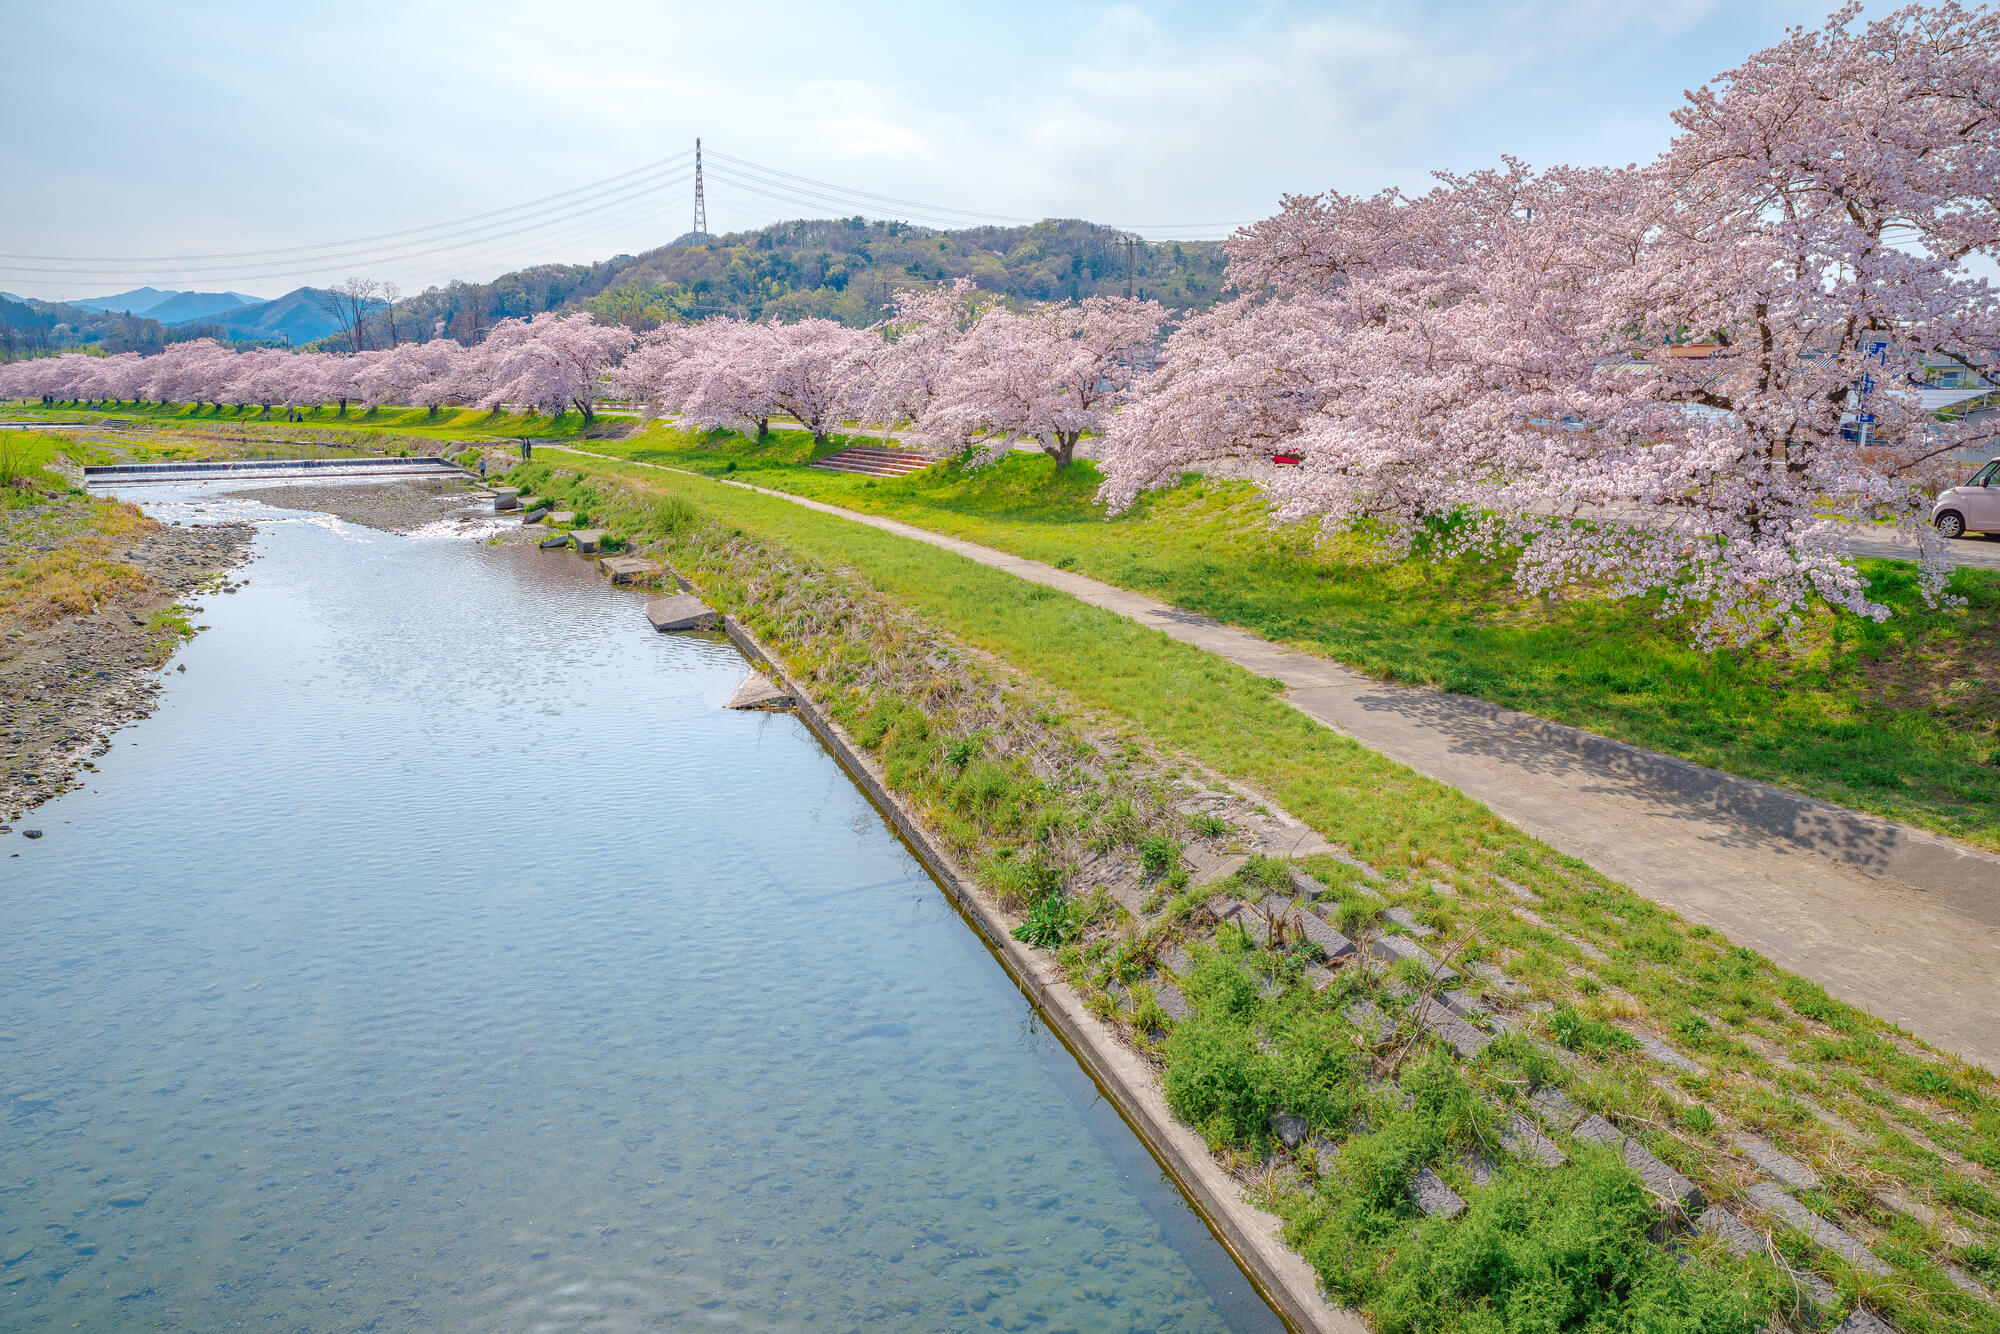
<point>1900,720</point>
<point>92,598</point>
<point>1324,1079</point>
<point>393,507</point>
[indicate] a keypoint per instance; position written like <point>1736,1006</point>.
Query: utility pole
<point>700,200</point>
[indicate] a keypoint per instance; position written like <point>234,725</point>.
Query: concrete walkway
<point>1897,921</point>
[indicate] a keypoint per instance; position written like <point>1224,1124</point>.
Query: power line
<point>575,209</point>
<point>385,236</point>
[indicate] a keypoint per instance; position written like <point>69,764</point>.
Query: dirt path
<point>1892,919</point>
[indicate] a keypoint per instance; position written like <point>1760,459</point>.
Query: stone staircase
<point>877,461</point>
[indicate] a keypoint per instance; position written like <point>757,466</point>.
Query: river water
<point>440,956</point>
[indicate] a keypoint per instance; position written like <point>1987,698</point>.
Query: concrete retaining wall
<point>1249,1233</point>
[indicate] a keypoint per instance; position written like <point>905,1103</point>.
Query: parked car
<point>1973,507</point>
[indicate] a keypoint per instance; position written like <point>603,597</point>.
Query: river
<point>440,956</point>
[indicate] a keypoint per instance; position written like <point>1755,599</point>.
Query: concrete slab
<point>630,569</point>
<point>1290,1130</point>
<point>1773,1199</point>
<point>554,542</point>
<point>1734,1232</point>
<point>1170,1000</point>
<point>1520,1136</point>
<point>1397,948</point>
<point>535,515</point>
<point>505,498</point>
<point>758,692</point>
<point>681,612</point>
<point>587,539</point>
<point>564,517</point>
<point>1662,1180</point>
<point>1433,1196</point>
<point>1775,1161</point>
<point>1316,929</point>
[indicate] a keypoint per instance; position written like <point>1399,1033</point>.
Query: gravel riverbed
<point>65,686</point>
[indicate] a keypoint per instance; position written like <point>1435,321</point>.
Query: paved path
<point>1894,920</point>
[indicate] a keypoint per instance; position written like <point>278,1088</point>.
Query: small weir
<point>237,470</point>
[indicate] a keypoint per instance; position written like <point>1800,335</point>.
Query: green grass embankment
<point>1537,1249</point>
<point>1901,719</point>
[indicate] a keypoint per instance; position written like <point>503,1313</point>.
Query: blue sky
<point>200,129</point>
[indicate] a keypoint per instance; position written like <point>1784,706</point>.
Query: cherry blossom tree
<point>908,366</point>
<point>1050,374</point>
<point>1637,382</point>
<point>551,364</point>
<point>728,378</point>
<point>817,371</point>
<point>661,370</point>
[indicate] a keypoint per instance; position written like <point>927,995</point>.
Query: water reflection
<point>440,956</point>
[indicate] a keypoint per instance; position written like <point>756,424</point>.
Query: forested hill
<point>844,269</point>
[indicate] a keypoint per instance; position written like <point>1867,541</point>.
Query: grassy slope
<point>1901,719</point>
<point>1650,969</point>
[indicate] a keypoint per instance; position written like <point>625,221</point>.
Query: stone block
<point>1171,1001</point>
<point>1520,1136</point>
<point>1497,981</point>
<point>1364,1015</point>
<point>1290,1130</point>
<point>1176,961</point>
<point>1555,1108</point>
<point>630,569</point>
<point>1848,1247</point>
<point>1406,919</point>
<point>1775,1161</point>
<point>1304,884</point>
<point>505,498</point>
<point>1734,1232</point>
<point>564,517</point>
<point>681,612</point>
<point>1662,1053</point>
<point>1368,872</point>
<point>531,502</point>
<point>1480,1168</point>
<point>1465,1005</point>
<point>1662,1180</point>
<point>1397,948</point>
<point>759,692</point>
<point>535,515</point>
<point>1432,1196</point>
<point>587,539</point>
<point>1462,1037</point>
<point>1861,1321</point>
<point>554,542</point>
<point>1320,933</point>
<point>1205,867</point>
<point>1317,977</point>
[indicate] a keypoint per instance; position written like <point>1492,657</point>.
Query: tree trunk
<point>1065,448</point>
<point>763,427</point>
<point>589,412</point>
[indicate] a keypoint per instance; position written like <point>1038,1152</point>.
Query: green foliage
<point>1591,1035</point>
<point>1209,825</point>
<point>959,753</point>
<point>1158,853</point>
<point>1545,1251</point>
<point>1050,923</point>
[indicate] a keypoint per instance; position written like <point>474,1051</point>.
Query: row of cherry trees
<point>950,367</point>
<point>1646,380</point>
<point>1637,381</point>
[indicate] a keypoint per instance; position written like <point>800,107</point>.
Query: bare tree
<point>391,294</point>
<point>350,303</point>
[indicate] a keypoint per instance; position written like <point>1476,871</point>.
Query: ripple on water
<point>441,956</point>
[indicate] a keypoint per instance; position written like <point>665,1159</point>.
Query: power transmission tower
<point>700,200</point>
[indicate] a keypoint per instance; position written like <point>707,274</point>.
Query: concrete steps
<point>876,461</point>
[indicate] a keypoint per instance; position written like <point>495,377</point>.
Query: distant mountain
<point>138,301</point>
<point>297,317</point>
<point>183,306</point>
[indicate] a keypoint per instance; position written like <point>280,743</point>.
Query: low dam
<point>441,954</point>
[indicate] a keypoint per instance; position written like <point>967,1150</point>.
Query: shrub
<point>1049,924</point>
